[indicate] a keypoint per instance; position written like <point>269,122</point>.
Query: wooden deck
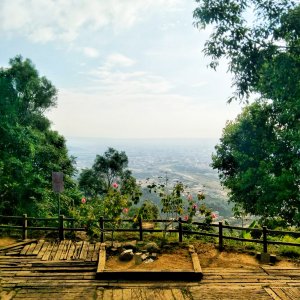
<point>67,270</point>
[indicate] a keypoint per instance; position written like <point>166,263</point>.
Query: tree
<point>110,189</point>
<point>108,169</point>
<point>258,154</point>
<point>260,178</point>
<point>248,33</point>
<point>29,149</point>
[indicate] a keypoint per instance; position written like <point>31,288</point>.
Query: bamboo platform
<point>67,270</point>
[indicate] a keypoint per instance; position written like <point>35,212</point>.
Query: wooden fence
<point>211,230</point>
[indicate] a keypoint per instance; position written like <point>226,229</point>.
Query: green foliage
<point>148,210</point>
<point>29,149</point>
<point>175,204</point>
<point>261,172</point>
<point>247,40</point>
<point>290,251</point>
<point>258,154</point>
<point>108,169</point>
<point>110,190</point>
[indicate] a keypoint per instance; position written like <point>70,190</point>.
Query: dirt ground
<point>209,256</point>
<point>179,259</point>
<point>5,241</point>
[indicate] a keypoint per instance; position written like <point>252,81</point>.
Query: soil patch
<point>209,256</point>
<point>179,259</point>
<point>6,241</point>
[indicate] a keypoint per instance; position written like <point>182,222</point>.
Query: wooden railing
<point>211,230</point>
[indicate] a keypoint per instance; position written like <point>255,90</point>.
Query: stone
<point>152,247</point>
<point>167,247</point>
<point>144,256</point>
<point>138,258</point>
<point>130,245</point>
<point>265,258</point>
<point>149,260</point>
<point>126,255</point>
<point>273,258</point>
<point>113,251</point>
<point>153,256</point>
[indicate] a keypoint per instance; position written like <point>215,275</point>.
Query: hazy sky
<point>123,68</point>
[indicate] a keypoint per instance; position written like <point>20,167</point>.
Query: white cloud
<point>90,52</point>
<point>46,20</point>
<point>110,78</point>
<point>119,60</point>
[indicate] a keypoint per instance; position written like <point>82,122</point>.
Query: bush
<point>290,251</point>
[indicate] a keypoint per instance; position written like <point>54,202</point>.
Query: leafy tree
<point>29,149</point>
<point>148,210</point>
<point>248,33</point>
<point>258,154</point>
<point>110,188</point>
<point>258,171</point>
<point>108,169</point>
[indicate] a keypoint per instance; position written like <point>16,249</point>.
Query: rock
<point>273,258</point>
<point>144,256</point>
<point>126,255</point>
<point>152,247</point>
<point>167,247</point>
<point>130,245</point>
<point>153,256</point>
<point>149,260</point>
<point>113,251</point>
<point>138,258</point>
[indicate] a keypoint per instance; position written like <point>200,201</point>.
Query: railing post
<point>141,228</point>
<point>180,229</point>
<point>221,246</point>
<point>265,243</point>
<point>101,229</point>
<point>61,228</point>
<point>24,227</point>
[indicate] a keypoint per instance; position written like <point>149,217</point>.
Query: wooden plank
<point>48,252</point>
<point>70,252</point>
<point>108,294</point>
<point>196,263</point>
<point>43,250</point>
<point>25,249</point>
<point>77,250</point>
<point>96,252</point>
<point>117,294</point>
<point>84,250</point>
<point>26,242</point>
<point>30,249</point>
<point>281,294</point>
<point>138,294</point>
<point>90,252</point>
<point>38,247</point>
<point>293,293</point>
<point>272,293</point>
<point>101,260</point>
<point>126,294</point>
<point>64,253</point>
<point>53,251</point>
<point>59,250</point>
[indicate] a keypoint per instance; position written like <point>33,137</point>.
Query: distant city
<point>185,160</point>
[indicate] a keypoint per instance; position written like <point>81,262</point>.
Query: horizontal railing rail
<point>204,229</point>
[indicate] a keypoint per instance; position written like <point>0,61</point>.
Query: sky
<point>123,68</point>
